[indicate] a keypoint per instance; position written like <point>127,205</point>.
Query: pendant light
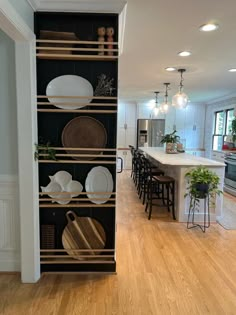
<point>155,110</point>
<point>180,99</point>
<point>165,105</point>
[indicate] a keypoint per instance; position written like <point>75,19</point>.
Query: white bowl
<point>52,187</point>
<point>73,186</point>
<point>62,178</point>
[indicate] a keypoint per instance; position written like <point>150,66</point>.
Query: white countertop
<point>180,159</point>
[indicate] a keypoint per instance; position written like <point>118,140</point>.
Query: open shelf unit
<point>85,58</point>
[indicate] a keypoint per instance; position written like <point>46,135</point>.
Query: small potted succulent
<point>171,141</point>
<point>202,182</point>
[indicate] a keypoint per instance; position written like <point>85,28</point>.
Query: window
<point>222,128</point>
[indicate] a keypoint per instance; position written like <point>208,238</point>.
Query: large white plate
<point>99,179</point>
<point>69,85</point>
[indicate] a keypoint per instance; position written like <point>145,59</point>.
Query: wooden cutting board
<point>82,233</point>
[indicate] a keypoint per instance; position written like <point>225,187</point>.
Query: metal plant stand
<point>192,209</point>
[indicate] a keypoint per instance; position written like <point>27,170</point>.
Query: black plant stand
<point>192,208</point>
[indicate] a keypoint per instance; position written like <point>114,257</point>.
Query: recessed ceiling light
<point>170,69</point>
<point>232,70</point>
<point>208,27</point>
<point>184,53</point>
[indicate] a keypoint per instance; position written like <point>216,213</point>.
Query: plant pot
<point>171,148</point>
<point>202,190</point>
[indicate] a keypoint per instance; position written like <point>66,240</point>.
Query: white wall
<point>209,126</point>
<point>8,128</point>
<point>9,209</point>
<point>24,10</point>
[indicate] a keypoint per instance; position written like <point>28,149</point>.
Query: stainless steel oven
<point>230,174</point>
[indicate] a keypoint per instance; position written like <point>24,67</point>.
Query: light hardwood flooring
<point>162,268</point>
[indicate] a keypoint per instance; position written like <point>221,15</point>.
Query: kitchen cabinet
<point>126,131</point>
<point>218,156</point>
<point>126,156</point>
<point>62,214</point>
<point>188,122</point>
<point>200,153</point>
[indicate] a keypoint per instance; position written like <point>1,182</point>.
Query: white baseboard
<point>9,224</point>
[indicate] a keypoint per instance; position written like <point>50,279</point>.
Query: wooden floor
<point>162,268</point>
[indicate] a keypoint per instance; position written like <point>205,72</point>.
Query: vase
<point>171,148</point>
<point>202,190</point>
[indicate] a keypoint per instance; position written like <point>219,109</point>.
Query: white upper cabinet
<point>127,120</point>
<point>121,115</point>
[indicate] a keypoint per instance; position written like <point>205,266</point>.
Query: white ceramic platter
<point>99,179</point>
<point>69,85</point>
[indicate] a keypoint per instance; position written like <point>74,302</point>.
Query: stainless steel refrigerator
<point>150,132</point>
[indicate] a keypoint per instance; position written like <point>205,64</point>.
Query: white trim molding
<point>13,24</point>
<point>96,6</point>
<point>35,4</point>
<point>15,27</point>
<point>9,224</point>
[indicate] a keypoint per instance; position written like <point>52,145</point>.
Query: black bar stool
<point>163,188</point>
<point>149,170</point>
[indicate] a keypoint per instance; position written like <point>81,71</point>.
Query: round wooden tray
<point>84,132</point>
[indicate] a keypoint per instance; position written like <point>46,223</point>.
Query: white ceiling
<point>156,30</point>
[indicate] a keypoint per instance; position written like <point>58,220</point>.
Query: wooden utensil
<point>82,233</point>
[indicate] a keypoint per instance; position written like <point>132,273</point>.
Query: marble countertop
<point>179,159</point>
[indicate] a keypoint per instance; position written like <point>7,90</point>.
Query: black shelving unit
<point>52,120</point>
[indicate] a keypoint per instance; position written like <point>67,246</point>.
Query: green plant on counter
<point>202,181</point>
<point>170,138</point>
<point>233,129</point>
<point>45,149</point>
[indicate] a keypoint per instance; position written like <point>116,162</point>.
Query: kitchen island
<point>176,166</point>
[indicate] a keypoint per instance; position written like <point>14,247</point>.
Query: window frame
<point>225,123</point>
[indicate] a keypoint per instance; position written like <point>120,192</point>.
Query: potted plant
<point>233,129</point>
<point>202,181</point>
<point>171,141</point>
<point>45,151</point>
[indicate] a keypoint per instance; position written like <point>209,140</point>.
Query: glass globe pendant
<point>180,99</point>
<point>155,110</point>
<point>165,105</point>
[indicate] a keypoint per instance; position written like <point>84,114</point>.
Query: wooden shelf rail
<point>45,49</point>
<point>76,153</point>
<point>77,205</point>
<point>114,98</point>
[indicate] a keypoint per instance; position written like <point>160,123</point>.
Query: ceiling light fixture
<point>180,99</point>
<point>165,105</point>
<point>155,110</point>
<point>232,70</point>
<point>208,27</point>
<point>184,53</point>
<point>170,69</point>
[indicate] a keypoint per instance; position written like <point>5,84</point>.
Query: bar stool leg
<point>150,205</point>
<point>173,201</point>
<point>168,196</point>
<point>148,196</point>
<point>163,193</point>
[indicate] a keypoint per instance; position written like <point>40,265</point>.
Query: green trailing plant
<point>170,138</point>
<point>48,152</point>
<point>233,129</point>
<point>202,181</point>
